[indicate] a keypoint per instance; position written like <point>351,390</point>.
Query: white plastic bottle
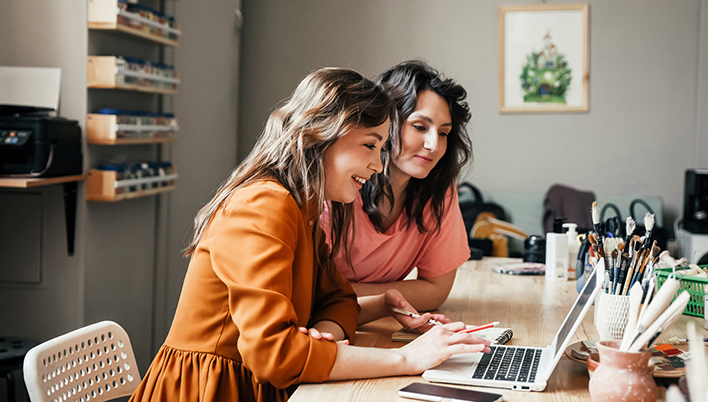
<point>573,247</point>
<point>556,254</point>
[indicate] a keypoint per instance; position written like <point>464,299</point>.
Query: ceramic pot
<point>622,376</point>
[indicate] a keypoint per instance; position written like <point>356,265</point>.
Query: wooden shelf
<point>101,129</point>
<point>132,31</point>
<point>101,186</point>
<point>101,73</point>
<point>13,182</point>
<point>103,15</point>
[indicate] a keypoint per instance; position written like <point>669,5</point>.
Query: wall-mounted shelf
<point>103,72</point>
<point>105,14</point>
<point>103,129</point>
<point>70,184</point>
<point>20,182</point>
<point>102,185</point>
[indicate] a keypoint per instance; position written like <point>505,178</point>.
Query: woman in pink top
<point>409,216</point>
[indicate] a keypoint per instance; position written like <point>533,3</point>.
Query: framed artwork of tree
<point>543,58</point>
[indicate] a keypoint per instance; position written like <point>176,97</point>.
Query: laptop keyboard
<point>509,364</point>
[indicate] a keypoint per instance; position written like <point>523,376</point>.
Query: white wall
<point>647,90</point>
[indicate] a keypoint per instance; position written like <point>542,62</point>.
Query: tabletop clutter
<point>633,309</point>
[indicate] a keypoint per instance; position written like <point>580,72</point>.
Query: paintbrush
<point>593,245</point>
<point>624,263</point>
<point>616,269</point>
<point>632,266</point>
<point>630,226</point>
<point>649,225</point>
<point>595,211</point>
<point>641,262</point>
<point>624,260</point>
<point>647,266</point>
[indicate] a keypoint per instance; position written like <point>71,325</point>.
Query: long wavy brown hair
<point>325,106</point>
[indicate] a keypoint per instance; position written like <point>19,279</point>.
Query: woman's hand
<point>394,298</point>
<point>438,344</point>
<point>317,334</point>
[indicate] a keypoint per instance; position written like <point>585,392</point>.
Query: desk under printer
<point>33,143</point>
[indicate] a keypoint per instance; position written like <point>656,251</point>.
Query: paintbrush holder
<point>611,316</point>
<point>622,376</point>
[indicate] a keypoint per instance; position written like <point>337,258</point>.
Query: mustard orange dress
<point>252,281</point>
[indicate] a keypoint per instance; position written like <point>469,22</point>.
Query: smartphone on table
<point>432,392</point>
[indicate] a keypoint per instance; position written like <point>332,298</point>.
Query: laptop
<point>517,367</point>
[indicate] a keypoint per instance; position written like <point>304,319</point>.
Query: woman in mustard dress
<point>262,306</point>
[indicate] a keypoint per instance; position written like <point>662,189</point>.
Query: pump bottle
<point>573,247</point>
<point>557,252</point>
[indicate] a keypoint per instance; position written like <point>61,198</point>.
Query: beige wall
<point>648,117</point>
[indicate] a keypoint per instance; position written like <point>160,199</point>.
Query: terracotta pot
<point>622,376</point>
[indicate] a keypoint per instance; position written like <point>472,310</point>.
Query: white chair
<point>93,363</point>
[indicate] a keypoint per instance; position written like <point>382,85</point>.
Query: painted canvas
<point>544,58</point>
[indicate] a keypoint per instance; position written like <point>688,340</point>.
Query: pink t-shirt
<point>389,257</point>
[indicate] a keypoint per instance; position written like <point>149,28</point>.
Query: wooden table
<point>533,307</point>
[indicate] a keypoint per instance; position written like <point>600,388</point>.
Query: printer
<point>33,143</point>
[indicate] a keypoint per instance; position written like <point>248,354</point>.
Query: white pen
<point>414,315</point>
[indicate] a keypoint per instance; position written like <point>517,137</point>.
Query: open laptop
<point>518,367</point>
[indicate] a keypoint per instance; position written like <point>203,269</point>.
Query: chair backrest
<point>93,363</point>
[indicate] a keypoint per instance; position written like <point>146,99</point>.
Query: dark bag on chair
<point>614,225</point>
<point>471,205</point>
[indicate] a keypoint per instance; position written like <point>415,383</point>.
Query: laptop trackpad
<point>462,365</point>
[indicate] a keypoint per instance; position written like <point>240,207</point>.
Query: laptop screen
<point>573,315</point>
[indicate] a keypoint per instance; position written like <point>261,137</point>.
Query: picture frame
<point>544,58</point>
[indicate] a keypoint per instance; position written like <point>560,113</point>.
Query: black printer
<point>35,144</point>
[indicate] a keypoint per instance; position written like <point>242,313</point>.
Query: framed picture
<point>543,58</point>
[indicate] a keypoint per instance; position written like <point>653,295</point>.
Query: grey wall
<point>648,117</point>
<point>56,304</point>
<point>207,107</point>
<point>701,145</point>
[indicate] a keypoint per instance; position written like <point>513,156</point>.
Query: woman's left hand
<point>393,298</point>
<point>315,333</point>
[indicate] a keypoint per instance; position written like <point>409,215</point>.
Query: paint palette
<point>669,361</point>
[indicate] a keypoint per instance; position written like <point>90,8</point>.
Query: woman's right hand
<point>438,344</point>
<point>393,298</point>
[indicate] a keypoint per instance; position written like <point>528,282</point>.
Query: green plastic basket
<point>696,287</point>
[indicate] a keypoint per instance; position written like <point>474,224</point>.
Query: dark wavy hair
<point>403,83</point>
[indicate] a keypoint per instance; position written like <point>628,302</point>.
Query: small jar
<point>130,173</point>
